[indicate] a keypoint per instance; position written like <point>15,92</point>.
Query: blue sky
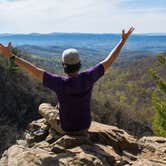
<point>143,3</point>
<point>92,16</point>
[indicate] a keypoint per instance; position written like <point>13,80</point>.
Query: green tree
<point>159,101</point>
<point>13,67</point>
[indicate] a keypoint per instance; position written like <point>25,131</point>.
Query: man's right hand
<point>6,50</point>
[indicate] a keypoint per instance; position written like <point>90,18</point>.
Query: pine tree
<point>159,101</point>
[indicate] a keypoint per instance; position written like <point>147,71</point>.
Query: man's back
<point>74,94</point>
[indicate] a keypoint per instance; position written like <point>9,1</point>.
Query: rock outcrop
<point>103,146</point>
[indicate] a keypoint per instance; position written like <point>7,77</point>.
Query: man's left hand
<point>6,50</point>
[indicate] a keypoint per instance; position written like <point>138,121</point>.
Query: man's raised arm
<point>29,67</point>
<point>115,52</point>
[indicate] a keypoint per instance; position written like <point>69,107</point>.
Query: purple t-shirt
<point>74,95</point>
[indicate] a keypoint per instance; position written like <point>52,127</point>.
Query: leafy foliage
<point>159,101</point>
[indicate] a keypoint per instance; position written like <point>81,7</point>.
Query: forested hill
<point>50,55</point>
<point>20,96</point>
<point>124,95</point>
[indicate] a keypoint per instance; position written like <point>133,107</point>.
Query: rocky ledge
<point>103,146</point>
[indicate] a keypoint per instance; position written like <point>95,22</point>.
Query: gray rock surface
<point>104,145</point>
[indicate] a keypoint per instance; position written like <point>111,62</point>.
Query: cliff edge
<point>104,145</point>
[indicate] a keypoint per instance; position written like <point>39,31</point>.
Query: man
<point>73,91</point>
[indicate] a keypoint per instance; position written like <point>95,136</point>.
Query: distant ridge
<point>77,33</point>
<point>155,42</point>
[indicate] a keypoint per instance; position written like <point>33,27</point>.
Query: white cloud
<point>25,16</point>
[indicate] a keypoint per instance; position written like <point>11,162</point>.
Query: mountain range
<point>146,42</point>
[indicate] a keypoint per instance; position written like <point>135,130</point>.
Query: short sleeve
<point>94,73</point>
<point>52,81</point>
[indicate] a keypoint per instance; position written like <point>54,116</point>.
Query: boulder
<point>155,144</point>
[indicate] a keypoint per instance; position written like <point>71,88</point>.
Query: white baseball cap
<point>70,56</point>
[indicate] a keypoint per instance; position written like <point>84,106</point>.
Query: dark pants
<point>51,114</point>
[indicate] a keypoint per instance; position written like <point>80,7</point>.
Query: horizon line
<point>84,33</point>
